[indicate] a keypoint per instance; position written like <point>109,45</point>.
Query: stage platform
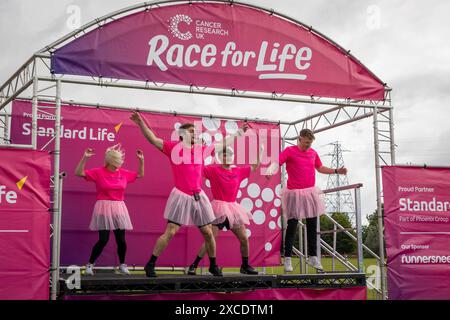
<point>115,284</point>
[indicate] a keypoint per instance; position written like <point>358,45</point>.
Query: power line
<point>341,201</point>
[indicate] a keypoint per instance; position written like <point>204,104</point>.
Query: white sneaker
<point>123,269</point>
<point>89,270</point>
<point>288,264</point>
<point>314,262</point>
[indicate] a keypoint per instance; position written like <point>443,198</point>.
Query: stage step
<point>111,283</point>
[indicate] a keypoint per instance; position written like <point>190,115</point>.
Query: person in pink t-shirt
<point>110,211</point>
<point>188,205</point>
<point>301,199</point>
<point>225,181</point>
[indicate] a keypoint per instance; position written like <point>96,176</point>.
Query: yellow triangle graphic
<point>21,183</point>
<point>117,128</point>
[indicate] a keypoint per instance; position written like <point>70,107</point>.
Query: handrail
<point>339,228</point>
<point>343,188</point>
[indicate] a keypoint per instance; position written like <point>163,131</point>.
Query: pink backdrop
<point>218,46</point>
<point>146,198</point>
<point>417,232</point>
<point>24,225</point>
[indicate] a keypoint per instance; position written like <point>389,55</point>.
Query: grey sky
<point>409,50</point>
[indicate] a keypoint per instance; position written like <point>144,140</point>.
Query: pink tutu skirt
<point>302,203</point>
<point>110,215</point>
<point>236,214</point>
<point>182,209</point>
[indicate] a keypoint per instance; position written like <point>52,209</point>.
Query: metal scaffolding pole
<point>56,194</point>
<point>216,92</point>
<point>57,231</point>
<point>359,230</point>
<point>391,129</point>
<point>34,111</point>
<point>5,139</point>
<point>7,129</point>
<point>187,114</point>
<point>333,262</point>
<point>283,184</point>
<point>379,205</point>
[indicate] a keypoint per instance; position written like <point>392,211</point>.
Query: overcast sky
<point>405,43</point>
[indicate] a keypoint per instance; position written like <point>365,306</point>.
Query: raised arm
<point>79,171</point>
<point>258,161</point>
<point>229,140</point>
<point>148,134</point>
<point>275,165</point>
<point>326,170</point>
<point>140,156</point>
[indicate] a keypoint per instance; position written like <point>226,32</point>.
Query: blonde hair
<point>115,156</point>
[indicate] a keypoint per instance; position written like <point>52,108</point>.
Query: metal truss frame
<point>109,284</point>
<point>36,72</point>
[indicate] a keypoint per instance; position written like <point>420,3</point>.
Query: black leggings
<point>311,229</point>
<point>103,241</point>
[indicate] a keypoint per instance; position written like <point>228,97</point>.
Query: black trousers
<point>311,228</point>
<point>103,238</point>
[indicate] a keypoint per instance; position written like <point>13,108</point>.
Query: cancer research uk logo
<point>173,27</point>
<point>200,49</point>
<point>202,28</point>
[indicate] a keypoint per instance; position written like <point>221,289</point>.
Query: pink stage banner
<point>84,127</point>
<point>356,293</point>
<point>24,225</point>
<point>417,232</point>
<point>218,45</point>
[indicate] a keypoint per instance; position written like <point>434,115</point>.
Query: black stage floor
<point>111,283</point>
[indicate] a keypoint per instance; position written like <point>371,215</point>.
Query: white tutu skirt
<point>182,209</point>
<point>302,203</point>
<point>110,215</point>
<point>236,214</point>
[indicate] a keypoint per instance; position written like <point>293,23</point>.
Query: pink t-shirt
<point>301,167</point>
<point>110,185</point>
<point>187,164</point>
<point>225,183</point>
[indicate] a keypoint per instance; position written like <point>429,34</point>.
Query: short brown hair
<point>185,126</point>
<point>306,133</point>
